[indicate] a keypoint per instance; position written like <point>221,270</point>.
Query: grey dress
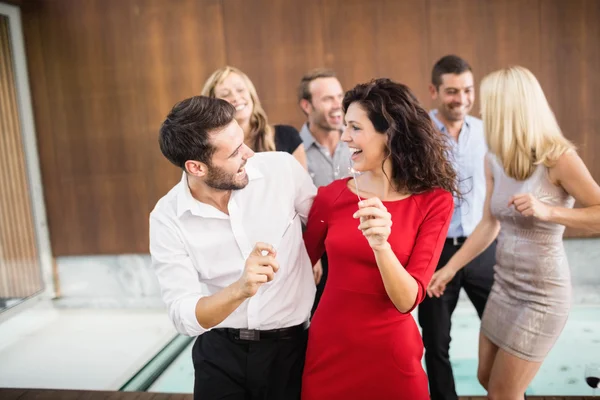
<point>531,296</point>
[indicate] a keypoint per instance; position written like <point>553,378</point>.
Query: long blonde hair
<point>519,125</point>
<point>260,130</point>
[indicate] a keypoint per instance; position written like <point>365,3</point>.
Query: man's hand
<point>318,272</point>
<point>259,269</point>
<point>439,281</point>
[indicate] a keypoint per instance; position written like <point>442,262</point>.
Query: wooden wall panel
<point>275,43</point>
<point>105,73</point>
<point>401,55</point>
<point>350,39</point>
<point>488,34</point>
<point>97,156</point>
<point>109,72</point>
<point>570,63</point>
<point>20,275</point>
<point>455,28</point>
<point>175,50</point>
<point>366,40</point>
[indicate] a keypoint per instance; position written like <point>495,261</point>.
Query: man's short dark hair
<point>304,87</point>
<point>449,64</point>
<point>184,135</point>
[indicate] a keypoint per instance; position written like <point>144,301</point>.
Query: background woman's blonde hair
<point>262,133</point>
<point>519,125</point>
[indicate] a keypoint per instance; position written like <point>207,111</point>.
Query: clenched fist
<point>375,222</point>
<point>529,206</point>
<point>259,269</point>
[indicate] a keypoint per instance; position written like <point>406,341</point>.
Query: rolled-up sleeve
<point>430,242</point>
<point>317,225</point>
<point>305,189</point>
<point>177,277</point>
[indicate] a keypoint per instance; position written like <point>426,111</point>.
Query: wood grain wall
<point>104,73</point>
<point>20,275</point>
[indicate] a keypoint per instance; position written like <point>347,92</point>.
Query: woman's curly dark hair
<point>418,151</point>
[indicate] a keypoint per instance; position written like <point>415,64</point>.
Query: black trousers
<point>435,316</point>
<point>321,285</point>
<point>233,369</point>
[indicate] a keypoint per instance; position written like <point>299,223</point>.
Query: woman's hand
<point>375,223</point>
<point>529,206</point>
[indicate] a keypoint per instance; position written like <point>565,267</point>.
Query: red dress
<point>360,346</point>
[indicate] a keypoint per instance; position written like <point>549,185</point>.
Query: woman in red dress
<point>363,342</point>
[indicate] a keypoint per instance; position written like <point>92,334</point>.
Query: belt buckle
<point>455,241</point>
<point>250,334</point>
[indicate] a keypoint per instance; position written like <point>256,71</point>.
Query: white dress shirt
<point>198,250</point>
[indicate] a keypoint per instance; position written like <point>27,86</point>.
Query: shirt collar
<point>442,127</point>
<point>307,138</point>
<point>187,202</point>
<point>436,121</point>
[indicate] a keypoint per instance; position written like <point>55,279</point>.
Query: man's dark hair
<point>449,64</point>
<point>304,87</point>
<point>184,135</point>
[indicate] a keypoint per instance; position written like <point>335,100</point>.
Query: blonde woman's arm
<point>481,238</point>
<point>572,175</point>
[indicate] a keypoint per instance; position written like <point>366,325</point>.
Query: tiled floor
<point>48,347</point>
<point>561,373</point>
<point>100,349</point>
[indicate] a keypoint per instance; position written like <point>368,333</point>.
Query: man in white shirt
<point>226,245</point>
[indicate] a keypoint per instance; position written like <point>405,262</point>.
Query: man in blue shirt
<point>453,92</point>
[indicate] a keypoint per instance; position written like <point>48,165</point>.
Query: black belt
<point>255,335</point>
<point>457,241</point>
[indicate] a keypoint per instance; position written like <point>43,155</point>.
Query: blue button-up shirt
<point>324,167</point>
<point>468,158</point>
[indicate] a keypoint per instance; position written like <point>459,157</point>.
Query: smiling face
<point>235,90</point>
<point>455,96</point>
<point>325,107</point>
<point>226,170</point>
<point>368,146</point>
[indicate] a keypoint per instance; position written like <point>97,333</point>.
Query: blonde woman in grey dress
<point>533,178</point>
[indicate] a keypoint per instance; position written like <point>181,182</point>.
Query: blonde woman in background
<point>533,177</point>
<point>233,85</point>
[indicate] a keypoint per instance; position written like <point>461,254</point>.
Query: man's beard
<point>322,123</point>
<point>452,114</point>
<point>221,180</point>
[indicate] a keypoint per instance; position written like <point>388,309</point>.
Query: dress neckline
<point>347,189</point>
